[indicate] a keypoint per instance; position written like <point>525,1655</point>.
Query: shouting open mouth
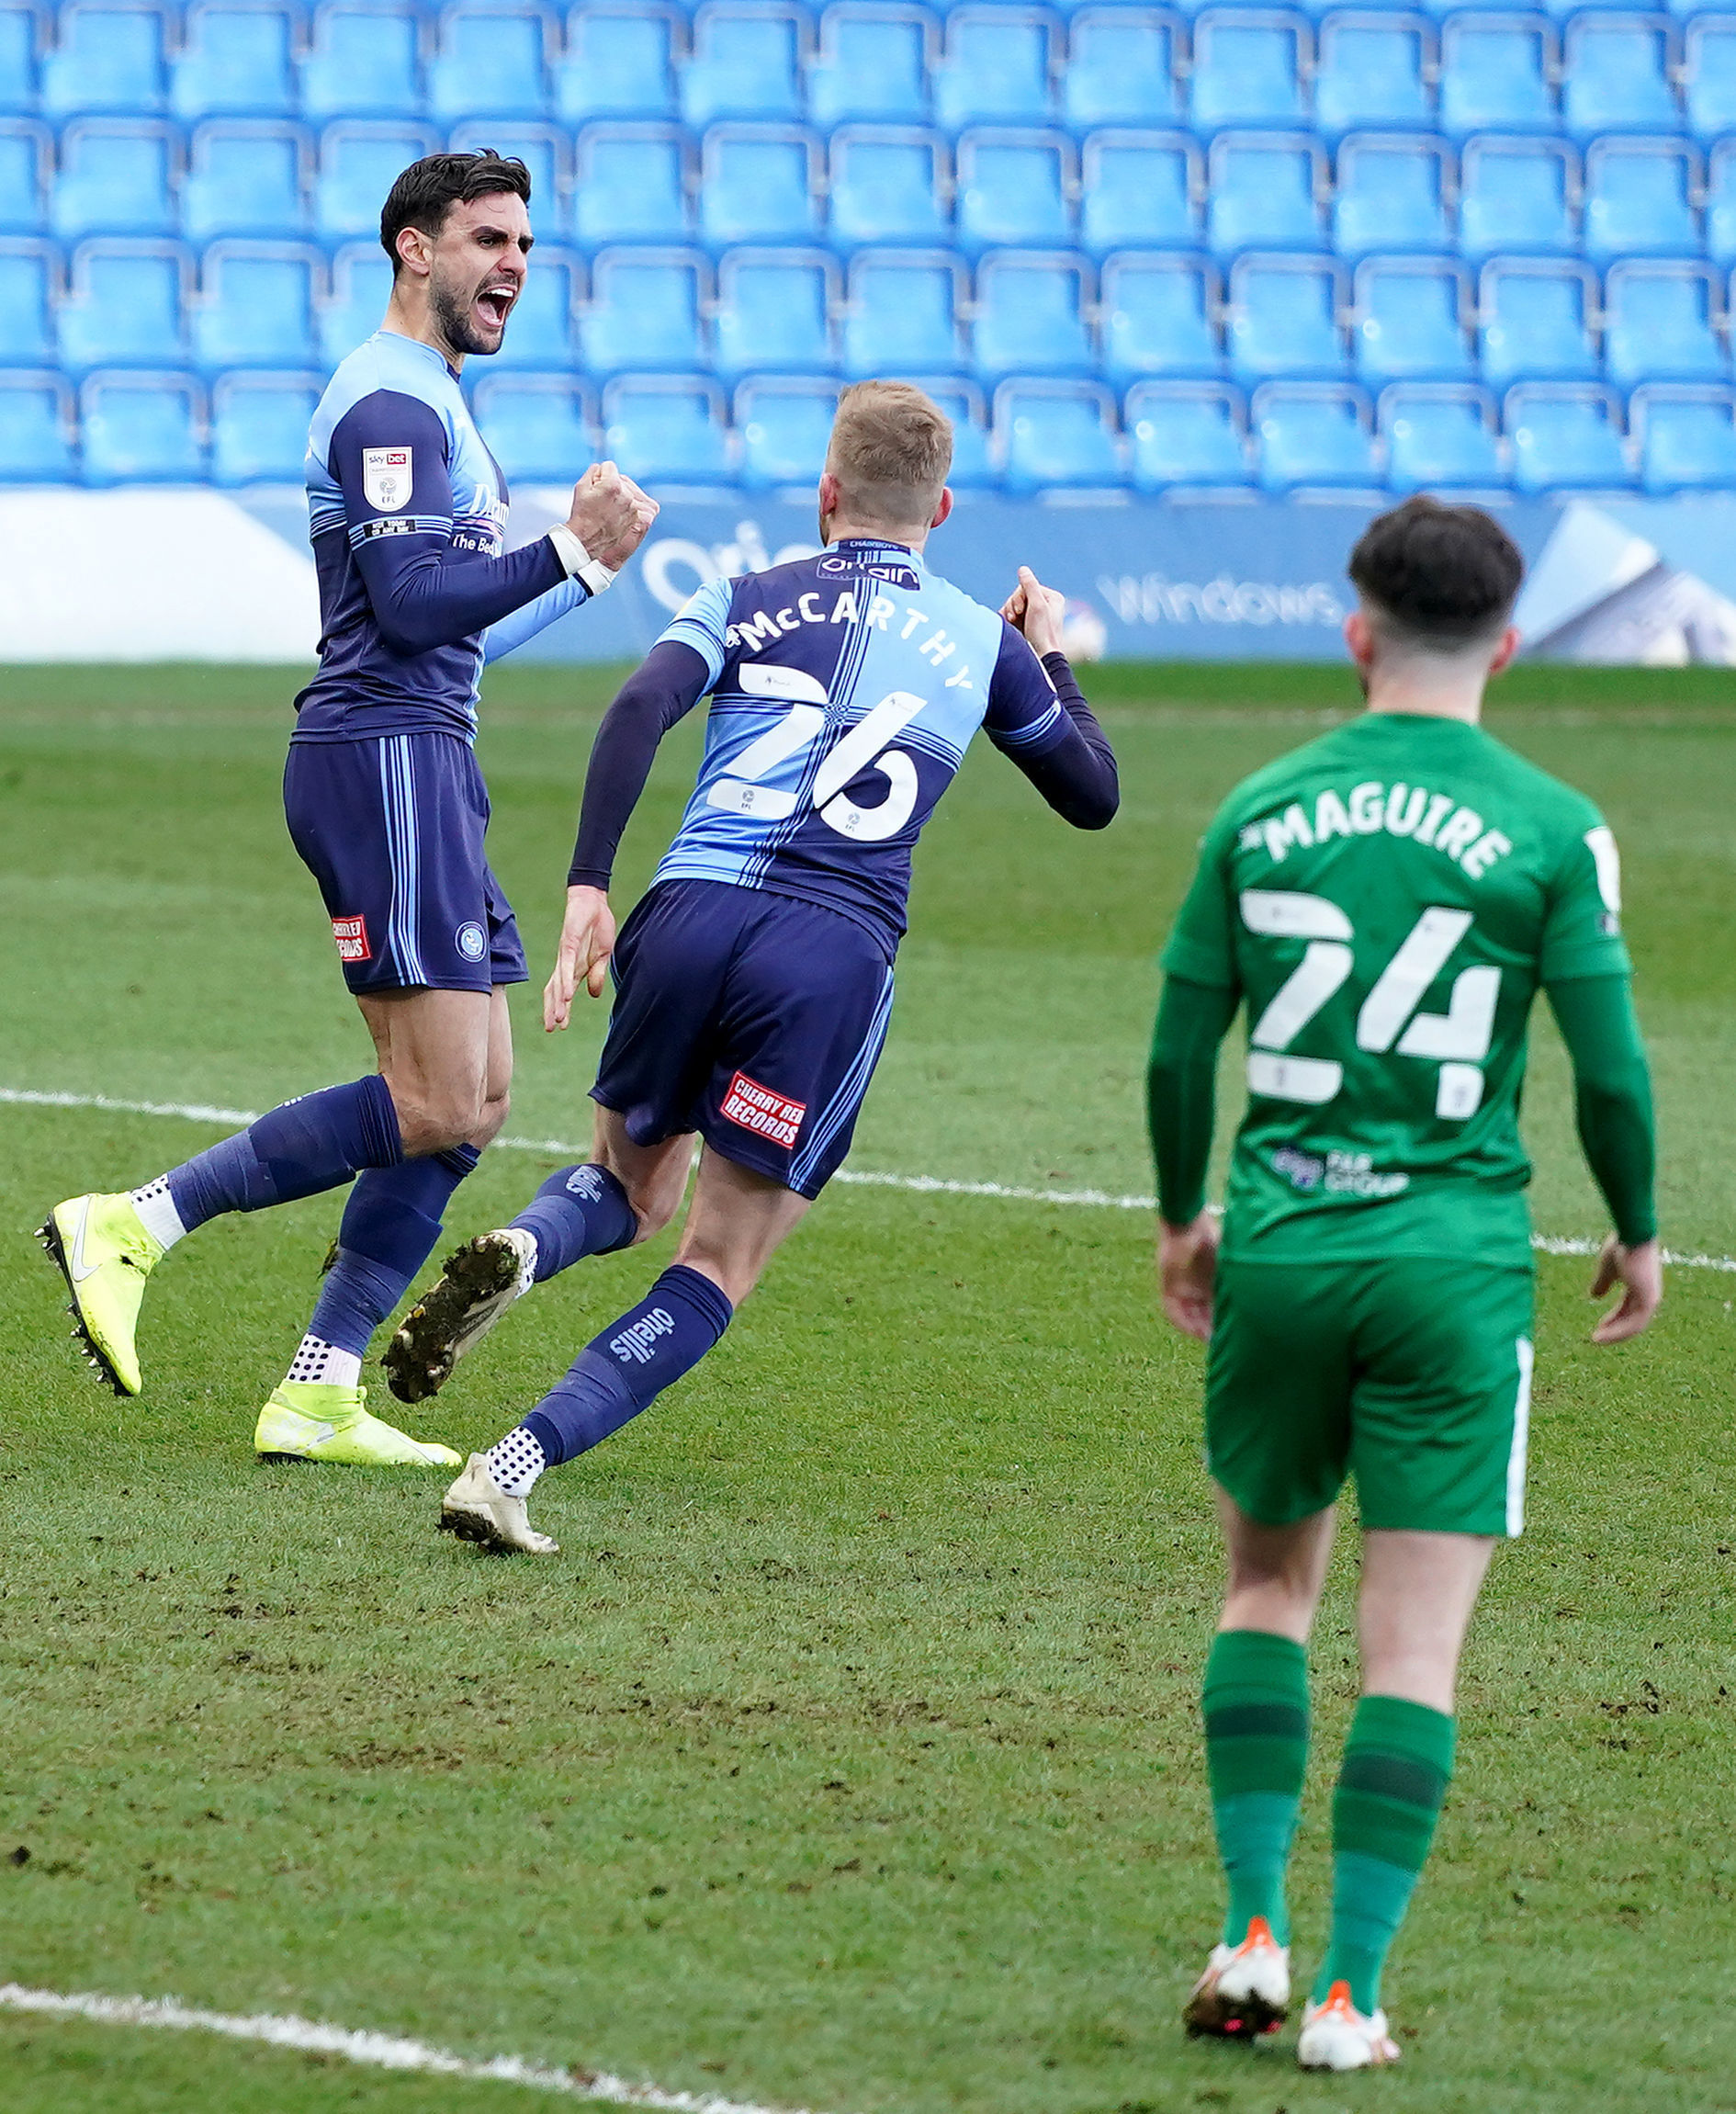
<point>494,303</point>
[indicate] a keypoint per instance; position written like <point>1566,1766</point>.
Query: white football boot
<point>1335,2035</point>
<point>1244,1991</point>
<point>478,1283</point>
<point>477,1509</point>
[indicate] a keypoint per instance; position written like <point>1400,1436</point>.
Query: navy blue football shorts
<point>751,1018</point>
<point>393,830</point>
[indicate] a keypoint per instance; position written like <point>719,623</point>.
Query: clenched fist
<point>609,514</point>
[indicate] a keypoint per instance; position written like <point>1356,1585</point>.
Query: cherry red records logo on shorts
<point>758,1109</point>
<point>351,937</point>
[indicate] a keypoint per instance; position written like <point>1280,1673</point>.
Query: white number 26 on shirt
<point>863,747</point>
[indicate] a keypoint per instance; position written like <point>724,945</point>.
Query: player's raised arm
<point>390,454</point>
<point>1038,716</point>
<point>667,684</point>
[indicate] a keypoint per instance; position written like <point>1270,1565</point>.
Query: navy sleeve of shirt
<point>1037,715</point>
<point>427,589</point>
<point>664,688</point>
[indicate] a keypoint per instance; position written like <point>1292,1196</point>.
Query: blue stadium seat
<point>1392,194</point>
<point>888,185</point>
<point>361,285</point>
<point>902,312</point>
<point>1709,64</point>
<point>1640,198</point>
<point>1314,433</point>
<point>745,62</point>
<point>644,311</point>
<point>255,306</point>
<point>1120,67</point>
<point>22,37</point>
<point>126,305</point>
<point>1617,75</point>
<point>259,428</point>
<point>784,427</point>
<point>1050,435</point>
<point>1566,436</point>
<point>1187,434</point>
<point>545,150</point>
<point>538,428</point>
<point>1721,202</point>
<point>872,64</point>
<point>773,312</point>
<point>757,184</point>
<point>1283,317</point>
<point>236,60</point>
<point>1410,320</point>
<point>1537,320</point>
<point>619,62</point>
<point>1660,323</point>
<point>1013,187</point>
<point>995,67</point>
<point>26,157</point>
<point>491,59</point>
<point>632,185</point>
<point>116,177</point>
<point>1442,436</point>
<point>1495,71</point>
<point>142,429</point>
<point>246,177</point>
<point>36,429</point>
<point>360,160</point>
<point>539,331</point>
<point>962,401</point>
<point>1248,66</point>
<point>1518,194</point>
<point>1264,191</point>
<point>667,429</point>
<point>1140,190</point>
<point>29,285</point>
<point>1687,438</point>
<point>1031,315</point>
<point>1159,317</point>
<point>108,56</point>
<point>363,61</point>
<point>1373,70</point>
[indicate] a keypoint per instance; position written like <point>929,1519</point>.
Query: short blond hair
<point>891,450</point>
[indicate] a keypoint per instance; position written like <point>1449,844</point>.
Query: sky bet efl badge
<point>386,478</point>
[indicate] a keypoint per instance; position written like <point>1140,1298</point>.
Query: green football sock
<point>1397,1763</point>
<point>1257,1754</point>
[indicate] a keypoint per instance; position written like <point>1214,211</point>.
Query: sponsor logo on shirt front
<point>350,936</point>
<point>765,1114</point>
<point>386,479</point>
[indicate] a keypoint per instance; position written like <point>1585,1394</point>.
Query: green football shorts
<point>1414,1375</point>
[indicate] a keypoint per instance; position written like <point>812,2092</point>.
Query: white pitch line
<point>917,1185</point>
<point>377,2050</point>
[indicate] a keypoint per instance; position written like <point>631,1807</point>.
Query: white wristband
<point>578,560</point>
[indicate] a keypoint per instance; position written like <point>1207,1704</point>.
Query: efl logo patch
<point>758,1109</point>
<point>386,481</point>
<point>351,937</point>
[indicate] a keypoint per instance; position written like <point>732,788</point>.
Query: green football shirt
<point>1387,901</point>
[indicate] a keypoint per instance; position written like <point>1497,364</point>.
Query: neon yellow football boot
<point>104,1252</point>
<point>318,1420</point>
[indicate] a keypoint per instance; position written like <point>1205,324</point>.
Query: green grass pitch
<point>847,1757</point>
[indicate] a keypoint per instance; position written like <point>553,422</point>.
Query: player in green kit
<point>1385,902</point>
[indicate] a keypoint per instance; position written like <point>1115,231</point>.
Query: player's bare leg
<point>1256,1747</point>
<point>623,1194</point>
<point>447,1059</point>
<point>736,1223</point>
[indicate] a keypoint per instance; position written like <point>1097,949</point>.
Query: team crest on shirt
<point>386,481</point>
<point>472,942</point>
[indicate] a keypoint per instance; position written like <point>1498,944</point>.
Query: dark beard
<point>452,320</point>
